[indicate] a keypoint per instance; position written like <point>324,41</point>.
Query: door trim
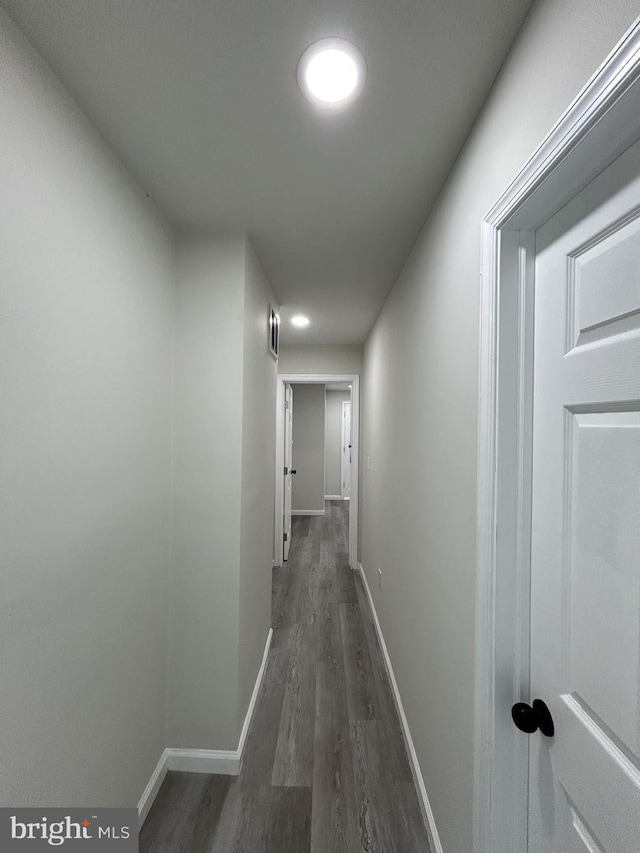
<point>318,379</point>
<point>597,127</point>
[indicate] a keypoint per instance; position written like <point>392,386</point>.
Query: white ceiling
<point>199,99</point>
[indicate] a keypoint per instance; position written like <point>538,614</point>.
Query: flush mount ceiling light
<point>331,73</point>
<point>300,321</point>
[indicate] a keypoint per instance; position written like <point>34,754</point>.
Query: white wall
<point>224,435</point>
<point>105,658</point>
<point>203,663</point>
<point>308,448</point>
<point>333,441</point>
<point>421,402</point>
<point>86,293</point>
<point>258,477</point>
<point>320,359</point>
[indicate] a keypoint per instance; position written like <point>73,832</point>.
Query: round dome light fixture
<point>300,321</point>
<point>331,73</point>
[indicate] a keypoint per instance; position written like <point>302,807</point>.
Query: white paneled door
<point>347,446</point>
<point>288,457</point>
<point>585,611</point>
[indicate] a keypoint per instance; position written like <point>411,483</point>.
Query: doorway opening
<point>317,432</point>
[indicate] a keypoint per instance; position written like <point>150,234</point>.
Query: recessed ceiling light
<point>331,73</point>
<point>300,321</point>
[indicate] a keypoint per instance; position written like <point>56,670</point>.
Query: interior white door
<point>585,609</point>
<point>288,457</point>
<point>345,465</point>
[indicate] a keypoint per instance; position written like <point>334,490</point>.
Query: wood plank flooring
<point>325,768</point>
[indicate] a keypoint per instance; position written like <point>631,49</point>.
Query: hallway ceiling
<point>199,99</point>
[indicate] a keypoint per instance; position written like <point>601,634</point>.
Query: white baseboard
<point>217,761</point>
<point>307,512</point>
<point>254,697</point>
<point>153,786</point>
<point>221,762</point>
<point>333,497</point>
<point>425,805</point>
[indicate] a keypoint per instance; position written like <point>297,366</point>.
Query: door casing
<point>318,379</point>
<point>598,126</point>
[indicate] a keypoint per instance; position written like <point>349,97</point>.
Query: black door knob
<point>530,718</point>
<point>293,471</point>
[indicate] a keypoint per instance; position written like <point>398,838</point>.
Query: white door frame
<point>318,379</point>
<point>599,125</point>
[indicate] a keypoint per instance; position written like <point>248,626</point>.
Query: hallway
<point>325,767</point>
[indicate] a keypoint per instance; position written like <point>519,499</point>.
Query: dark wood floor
<point>325,767</point>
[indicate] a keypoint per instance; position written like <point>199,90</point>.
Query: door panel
<point>585,591</point>
<point>607,284</point>
<point>604,579</point>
